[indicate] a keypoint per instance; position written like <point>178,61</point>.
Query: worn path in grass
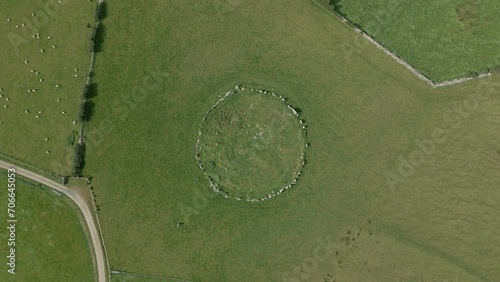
<point>86,211</point>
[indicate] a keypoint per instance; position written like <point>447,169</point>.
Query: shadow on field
<point>89,110</point>
<point>100,36</point>
<point>79,159</point>
<point>92,90</point>
<point>337,6</point>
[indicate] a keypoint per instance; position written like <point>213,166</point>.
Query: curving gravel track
<point>86,210</point>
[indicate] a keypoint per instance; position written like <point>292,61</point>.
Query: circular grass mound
<point>251,145</point>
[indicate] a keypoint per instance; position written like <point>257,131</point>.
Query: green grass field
<point>50,242</point>
<point>23,133</point>
<point>134,277</point>
<point>443,39</point>
<point>364,112</point>
<point>251,145</point>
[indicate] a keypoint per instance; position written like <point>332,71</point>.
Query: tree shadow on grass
<point>92,90</point>
<point>100,38</point>
<point>89,110</point>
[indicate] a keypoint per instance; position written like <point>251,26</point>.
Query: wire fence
<point>151,276</point>
<point>17,162</point>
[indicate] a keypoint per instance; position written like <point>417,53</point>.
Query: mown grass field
<point>22,135</point>
<point>50,242</point>
<point>443,39</point>
<point>436,222</point>
<point>133,277</point>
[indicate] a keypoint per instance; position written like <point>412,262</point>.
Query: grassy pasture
<point>22,135</point>
<point>443,39</point>
<point>50,242</point>
<point>363,110</point>
<point>251,145</point>
<point>133,277</point>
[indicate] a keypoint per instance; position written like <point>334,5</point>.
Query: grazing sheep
<point>47,139</point>
<point>63,113</point>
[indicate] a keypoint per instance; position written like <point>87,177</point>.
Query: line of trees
<point>79,159</point>
<point>89,89</point>
<point>97,33</point>
<point>101,12</point>
<point>97,38</point>
<point>86,107</point>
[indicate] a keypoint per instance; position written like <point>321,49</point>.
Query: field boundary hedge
<point>89,89</point>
